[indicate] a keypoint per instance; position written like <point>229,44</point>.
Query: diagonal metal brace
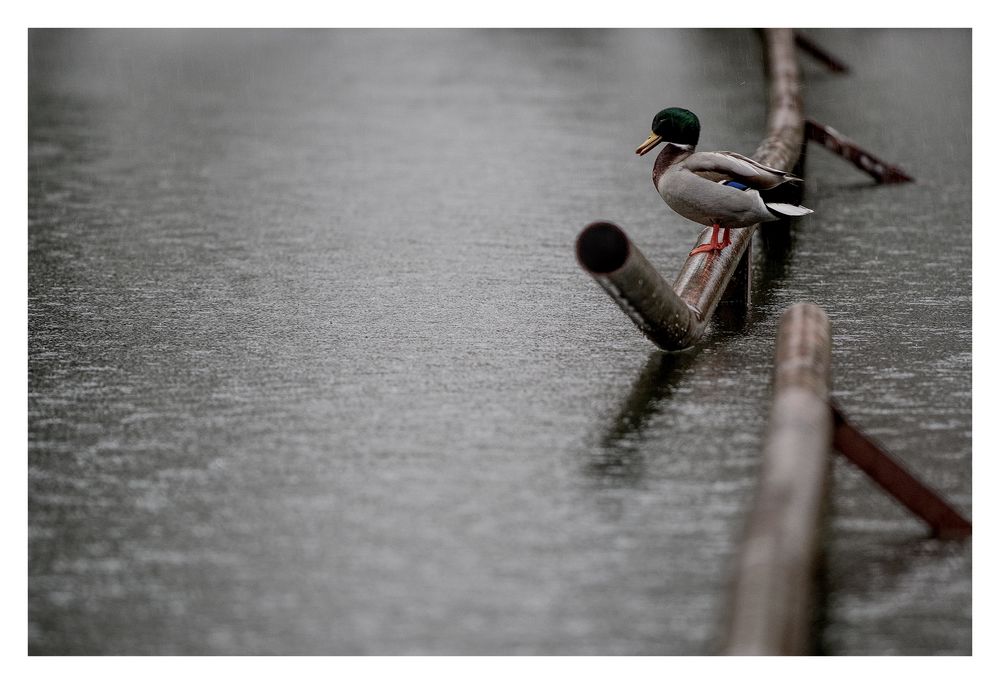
<point>841,145</point>
<point>879,465</point>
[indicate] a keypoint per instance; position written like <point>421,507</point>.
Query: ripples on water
<point>312,369</point>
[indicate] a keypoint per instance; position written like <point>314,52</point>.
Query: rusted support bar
<point>836,142</point>
<point>945,521</point>
<point>819,54</point>
<point>771,611</point>
<point>607,254</point>
<point>705,277</point>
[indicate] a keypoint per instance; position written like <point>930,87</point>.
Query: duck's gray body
<point>692,184</point>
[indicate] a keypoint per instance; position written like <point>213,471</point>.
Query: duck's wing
<point>766,169</point>
<point>723,166</point>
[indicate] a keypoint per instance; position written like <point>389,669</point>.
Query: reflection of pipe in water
<point>618,266</point>
<point>619,459</point>
<point>653,384</point>
<point>771,608</point>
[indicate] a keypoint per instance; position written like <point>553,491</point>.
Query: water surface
<point>312,368</point>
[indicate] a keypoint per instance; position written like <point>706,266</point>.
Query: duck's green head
<point>672,125</point>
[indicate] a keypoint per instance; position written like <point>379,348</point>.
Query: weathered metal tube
<point>704,277</point>
<point>606,253</point>
<point>785,123</point>
<point>771,609</point>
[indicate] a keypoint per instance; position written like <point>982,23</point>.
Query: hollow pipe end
<point>602,247</point>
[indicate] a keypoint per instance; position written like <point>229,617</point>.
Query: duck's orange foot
<point>710,247</point>
<point>713,244</point>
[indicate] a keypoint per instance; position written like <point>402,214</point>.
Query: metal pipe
<point>675,319</point>
<point>704,276</point>
<point>821,55</point>
<point>771,610</point>
<point>606,253</point>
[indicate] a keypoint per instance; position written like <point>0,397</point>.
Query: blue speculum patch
<point>736,184</point>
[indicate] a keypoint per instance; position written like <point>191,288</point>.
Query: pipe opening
<point>602,247</point>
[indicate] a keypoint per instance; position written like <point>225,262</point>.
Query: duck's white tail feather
<point>783,209</point>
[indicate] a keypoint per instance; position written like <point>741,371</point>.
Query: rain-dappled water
<point>312,368</point>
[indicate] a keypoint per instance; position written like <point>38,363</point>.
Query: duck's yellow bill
<point>652,141</point>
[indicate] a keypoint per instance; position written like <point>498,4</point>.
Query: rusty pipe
<point>771,608</point>
<point>704,276</point>
<point>606,253</point>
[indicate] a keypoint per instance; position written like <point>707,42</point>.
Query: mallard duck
<point>718,189</point>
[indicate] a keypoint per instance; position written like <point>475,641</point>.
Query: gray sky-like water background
<point>313,370</point>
